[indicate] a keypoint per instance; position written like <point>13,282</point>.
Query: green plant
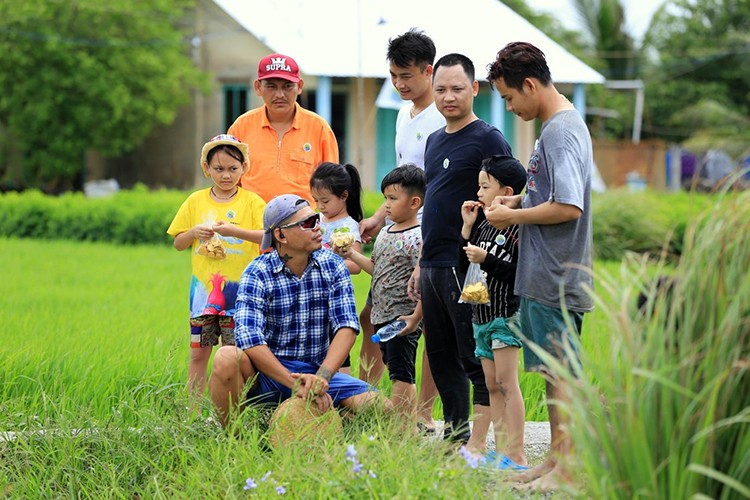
<point>667,413</point>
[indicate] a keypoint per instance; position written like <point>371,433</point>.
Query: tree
<point>612,51</point>
<point>702,52</point>
<point>89,74</point>
<point>552,27</point>
<point>609,39</point>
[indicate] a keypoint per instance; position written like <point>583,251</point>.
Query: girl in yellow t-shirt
<point>223,226</point>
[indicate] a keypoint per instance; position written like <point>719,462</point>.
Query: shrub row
<point>623,221</point>
<point>128,217</point>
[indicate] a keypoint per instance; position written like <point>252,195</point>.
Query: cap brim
<point>283,76</point>
<point>265,244</point>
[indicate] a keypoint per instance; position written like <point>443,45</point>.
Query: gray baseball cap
<point>277,211</point>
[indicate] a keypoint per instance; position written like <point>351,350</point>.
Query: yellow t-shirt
<point>214,284</point>
<point>284,166</point>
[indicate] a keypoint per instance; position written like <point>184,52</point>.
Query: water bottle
<point>389,331</point>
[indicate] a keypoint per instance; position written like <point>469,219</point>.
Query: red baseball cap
<point>278,66</point>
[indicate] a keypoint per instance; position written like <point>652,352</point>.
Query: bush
<point>129,217</point>
<point>638,222</point>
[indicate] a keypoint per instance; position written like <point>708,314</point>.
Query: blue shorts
<point>545,326</point>
<point>496,334</point>
<point>341,386</point>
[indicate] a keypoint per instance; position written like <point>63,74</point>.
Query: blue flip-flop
<point>506,463</point>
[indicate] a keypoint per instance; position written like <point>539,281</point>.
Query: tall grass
<point>667,413</point>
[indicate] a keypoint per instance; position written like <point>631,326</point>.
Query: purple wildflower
<point>357,467</point>
<point>250,484</point>
<point>351,453</point>
<point>280,490</point>
<point>265,477</point>
<point>471,460</point>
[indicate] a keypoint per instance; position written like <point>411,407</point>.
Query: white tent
<point>349,38</point>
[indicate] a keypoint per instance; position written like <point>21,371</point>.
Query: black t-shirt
<point>452,163</point>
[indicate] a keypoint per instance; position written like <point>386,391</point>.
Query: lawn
<point>93,365</point>
<point>93,320</point>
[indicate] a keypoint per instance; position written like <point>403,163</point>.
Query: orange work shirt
<point>284,165</point>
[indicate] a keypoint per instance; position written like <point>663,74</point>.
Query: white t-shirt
<point>412,133</point>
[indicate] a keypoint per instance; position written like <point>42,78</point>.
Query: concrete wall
<point>169,156</point>
<point>616,159</point>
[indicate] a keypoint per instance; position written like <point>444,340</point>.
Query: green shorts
<point>497,334</point>
<point>546,327</point>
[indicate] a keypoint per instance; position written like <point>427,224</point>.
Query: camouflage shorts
<point>205,331</point>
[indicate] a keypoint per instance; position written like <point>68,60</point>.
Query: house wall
<point>616,159</point>
<point>169,156</point>
<point>362,124</point>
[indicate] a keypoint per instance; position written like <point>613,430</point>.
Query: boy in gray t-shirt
<point>554,274</point>
<point>394,257</point>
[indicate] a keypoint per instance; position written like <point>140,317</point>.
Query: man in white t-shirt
<point>410,56</point>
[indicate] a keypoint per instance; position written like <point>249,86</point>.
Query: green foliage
<point>648,222</point>
<point>610,41</point>
<point>551,26</point>
<point>669,414</point>
<point>86,74</point>
<point>716,126</point>
<point>703,52</point>
<point>129,217</point>
<point>623,222</point>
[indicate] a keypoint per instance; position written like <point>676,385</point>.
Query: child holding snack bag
<point>223,225</point>
<point>497,345</point>
<point>337,192</point>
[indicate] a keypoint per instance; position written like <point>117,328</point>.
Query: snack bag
<point>342,240</point>
<point>475,286</point>
<point>212,248</point>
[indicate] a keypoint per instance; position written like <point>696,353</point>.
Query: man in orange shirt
<point>286,141</point>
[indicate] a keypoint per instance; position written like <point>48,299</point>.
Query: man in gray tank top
<point>554,275</point>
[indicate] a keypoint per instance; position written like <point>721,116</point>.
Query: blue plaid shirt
<point>294,317</point>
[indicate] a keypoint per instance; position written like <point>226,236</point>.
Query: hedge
<point>623,221</point>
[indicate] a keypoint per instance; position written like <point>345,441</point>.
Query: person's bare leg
<point>371,365</point>
<point>496,414</point>
<point>404,397</point>
<point>557,438</point>
<point>481,426</point>
<point>197,376</point>
<point>511,405</point>
<point>365,399</point>
<point>231,369</point>
<point>561,444</point>
<point>428,393</point>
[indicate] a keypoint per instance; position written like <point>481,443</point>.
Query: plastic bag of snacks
<point>475,286</point>
<point>212,248</point>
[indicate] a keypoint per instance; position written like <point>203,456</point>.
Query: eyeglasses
<point>305,224</point>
